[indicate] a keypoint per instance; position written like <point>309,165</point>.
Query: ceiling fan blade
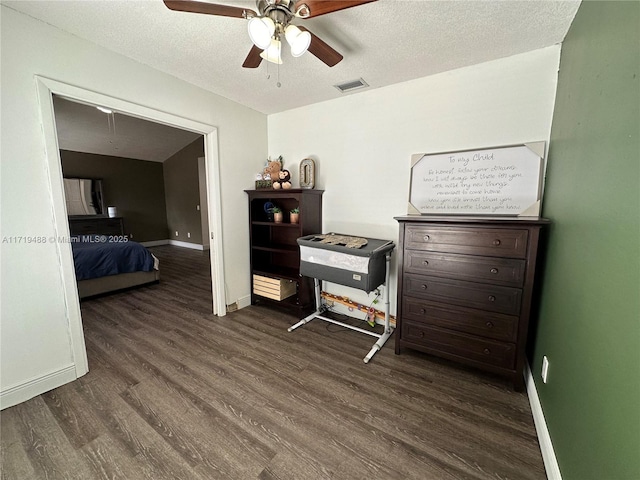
<point>323,51</point>
<point>253,59</point>
<point>320,7</point>
<point>208,8</point>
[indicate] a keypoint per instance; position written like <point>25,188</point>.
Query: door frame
<point>46,88</point>
<point>204,203</point>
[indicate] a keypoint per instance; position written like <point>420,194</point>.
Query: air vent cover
<point>351,85</point>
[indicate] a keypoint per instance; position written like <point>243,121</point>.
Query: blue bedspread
<point>99,259</point>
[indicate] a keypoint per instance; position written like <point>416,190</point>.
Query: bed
<point>105,263</point>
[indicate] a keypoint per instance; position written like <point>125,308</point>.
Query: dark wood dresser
<point>96,225</point>
<point>465,287</point>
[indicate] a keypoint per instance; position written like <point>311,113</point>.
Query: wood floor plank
<point>73,416</point>
<point>351,390</point>
<point>174,392</point>
<point>454,402</point>
<point>107,368</point>
<point>46,446</point>
<point>131,443</point>
<point>103,456</point>
<point>233,382</point>
<point>157,363</point>
<point>347,427</point>
<point>295,407</point>
<point>223,449</point>
<point>289,465</point>
<point>14,460</point>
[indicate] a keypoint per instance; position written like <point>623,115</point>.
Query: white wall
<point>34,330</point>
<point>362,143</point>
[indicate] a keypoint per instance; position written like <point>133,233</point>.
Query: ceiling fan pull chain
<point>268,75</point>
<point>278,67</point>
<point>111,123</point>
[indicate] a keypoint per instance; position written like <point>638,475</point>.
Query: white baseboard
<point>244,301</point>
<point>36,386</point>
<point>154,243</point>
<point>544,439</point>
<point>176,243</point>
<point>193,246</point>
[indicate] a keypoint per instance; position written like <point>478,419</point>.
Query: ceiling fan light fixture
<point>272,53</point>
<point>298,40</point>
<point>261,29</point>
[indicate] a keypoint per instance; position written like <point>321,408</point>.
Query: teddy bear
<point>272,169</point>
<point>283,180</point>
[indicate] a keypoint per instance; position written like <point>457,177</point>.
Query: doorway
<point>46,89</point>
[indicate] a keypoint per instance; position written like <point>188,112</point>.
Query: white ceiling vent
<point>352,85</point>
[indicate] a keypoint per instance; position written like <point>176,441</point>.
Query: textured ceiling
<point>385,42</point>
<point>83,128</point>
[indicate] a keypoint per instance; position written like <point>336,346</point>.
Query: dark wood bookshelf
<point>274,250</point>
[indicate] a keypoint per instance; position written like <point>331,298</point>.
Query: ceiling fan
<point>272,21</point>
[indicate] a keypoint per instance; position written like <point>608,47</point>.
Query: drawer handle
<point>423,286</point>
<point>489,325</point>
<point>426,238</point>
<point>487,351</point>
<point>494,271</point>
<point>492,298</point>
<point>421,335</point>
<point>422,311</point>
<point>496,242</point>
<point>425,262</point>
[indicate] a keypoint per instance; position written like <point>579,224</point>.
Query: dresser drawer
<point>492,298</point>
<point>466,320</point>
<point>83,227</point>
<point>494,242</point>
<point>498,271</point>
<point>449,343</point>
<point>96,226</point>
<point>111,226</point>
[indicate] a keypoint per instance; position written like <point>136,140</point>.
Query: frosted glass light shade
<point>261,30</point>
<point>272,54</point>
<point>297,39</point>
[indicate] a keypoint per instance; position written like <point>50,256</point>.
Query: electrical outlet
<point>188,235</point>
<point>176,233</point>
<point>545,369</point>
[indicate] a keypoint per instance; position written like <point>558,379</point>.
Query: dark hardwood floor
<point>175,392</point>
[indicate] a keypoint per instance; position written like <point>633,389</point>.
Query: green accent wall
<point>589,319</point>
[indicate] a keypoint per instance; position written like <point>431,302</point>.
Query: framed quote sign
<point>491,181</point>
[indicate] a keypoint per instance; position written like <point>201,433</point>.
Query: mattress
<point>97,257</point>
